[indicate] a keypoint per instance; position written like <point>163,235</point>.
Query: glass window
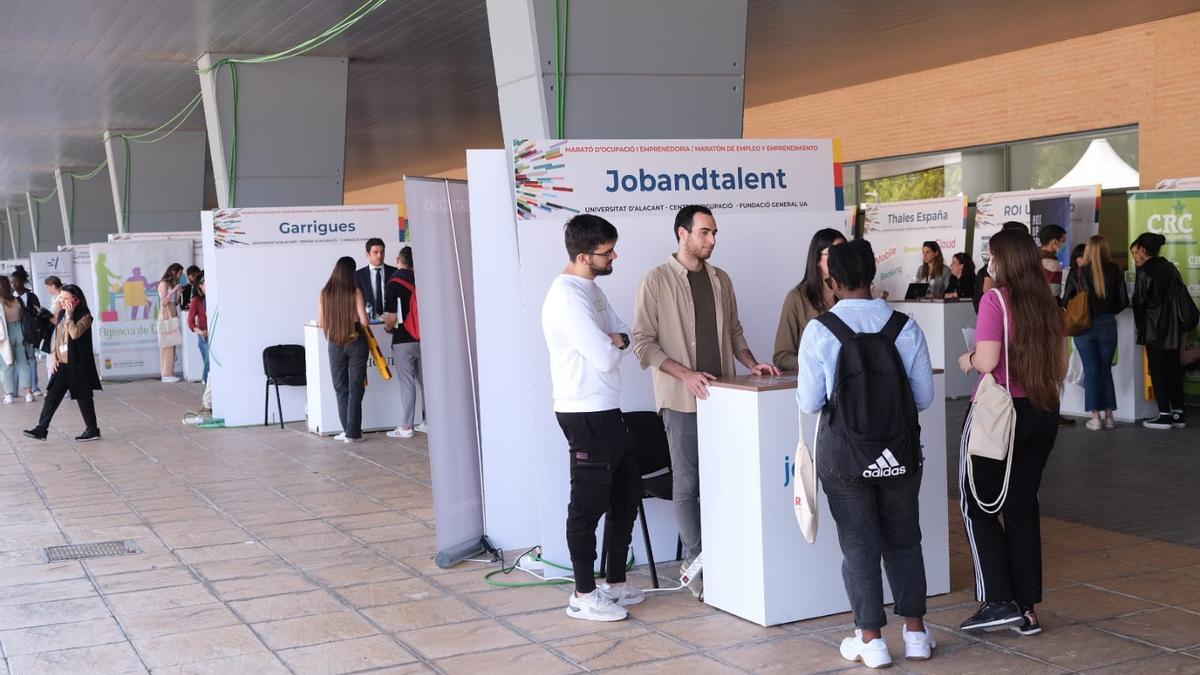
<point>1109,158</point>
<point>850,184</point>
<point>918,177</point>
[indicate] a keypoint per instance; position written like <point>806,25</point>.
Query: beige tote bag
<point>804,485</point>
<point>993,422</point>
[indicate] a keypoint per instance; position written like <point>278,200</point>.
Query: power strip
<point>692,571</point>
<point>531,564</point>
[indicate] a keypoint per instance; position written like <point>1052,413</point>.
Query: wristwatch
<point>625,339</point>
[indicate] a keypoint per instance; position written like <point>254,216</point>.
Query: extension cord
<point>531,564</point>
<point>692,571</point>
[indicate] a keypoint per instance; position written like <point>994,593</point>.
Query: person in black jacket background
<point>75,367</point>
<point>1104,284</point>
<point>1158,327</point>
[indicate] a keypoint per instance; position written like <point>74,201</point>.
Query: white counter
<point>189,354</point>
<point>381,403</point>
<point>1129,379</point>
<point>756,563</point>
<point>943,321</point>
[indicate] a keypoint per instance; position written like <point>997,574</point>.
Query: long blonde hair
<point>338,303</point>
<point>1096,256</point>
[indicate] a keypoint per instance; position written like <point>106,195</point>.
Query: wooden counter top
<point>762,383</point>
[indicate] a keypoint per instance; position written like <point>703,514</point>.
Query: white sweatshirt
<point>584,363</point>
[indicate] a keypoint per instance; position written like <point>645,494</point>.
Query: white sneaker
<point>8,398</point>
<point>595,606</point>
<point>873,654</point>
<point>340,437</point>
<point>626,594</point>
<point>360,439</point>
<point>29,398</point>
<point>401,432</point>
<point>422,428</point>
<point>169,379</point>
<point>918,646</point>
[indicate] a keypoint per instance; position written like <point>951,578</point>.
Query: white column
<point>166,181</point>
<point>291,130</point>
<point>45,224</point>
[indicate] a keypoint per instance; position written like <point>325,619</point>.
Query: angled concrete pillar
<point>635,68</point>
<point>166,181</point>
<point>291,131</point>
<point>84,206</point>
<point>45,224</point>
<point>15,237</point>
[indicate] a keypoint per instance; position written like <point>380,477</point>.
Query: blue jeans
<point>16,375</point>
<point>1096,348</point>
<point>204,355</point>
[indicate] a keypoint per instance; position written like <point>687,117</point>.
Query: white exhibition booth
<point>1129,379</point>
<point>942,322</point>
<point>756,563</point>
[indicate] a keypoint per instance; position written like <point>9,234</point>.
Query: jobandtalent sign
<point>557,179</point>
<point>126,304</point>
<point>897,231</point>
<point>993,209</point>
<point>1175,214</point>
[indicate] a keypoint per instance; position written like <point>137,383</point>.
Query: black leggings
<point>56,389</point>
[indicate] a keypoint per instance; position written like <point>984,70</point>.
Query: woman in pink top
<point>1008,554</point>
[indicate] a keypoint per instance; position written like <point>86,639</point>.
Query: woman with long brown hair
<point>342,314</point>
<point>1022,312</point>
<point>806,300</point>
<point>1104,283</point>
<point>168,299</point>
<point>933,270</point>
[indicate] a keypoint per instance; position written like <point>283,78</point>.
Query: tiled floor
<point>271,551</point>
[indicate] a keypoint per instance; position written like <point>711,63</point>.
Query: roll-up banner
<point>993,209</point>
<point>440,220</point>
<point>897,231</point>
<point>127,306</point>
<point>1175,214</point>
<point>265,268</point>
<point>1054,211</point>
<point>44,264</point>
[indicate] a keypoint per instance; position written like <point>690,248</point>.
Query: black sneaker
<point>1163,421</point>
<point>1029,625</point>
<point>1177,421</point>
<point>89,435</point>
<point>993,616</point>
<point>36,432</point>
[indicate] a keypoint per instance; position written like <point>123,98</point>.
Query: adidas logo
<point>884,467</point>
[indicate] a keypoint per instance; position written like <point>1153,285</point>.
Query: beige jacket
<point>664,326</point>
<point>797,311</point>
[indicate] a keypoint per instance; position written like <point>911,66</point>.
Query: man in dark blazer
<point>372,279</point>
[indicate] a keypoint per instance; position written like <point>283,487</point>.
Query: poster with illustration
<point>127,306</point>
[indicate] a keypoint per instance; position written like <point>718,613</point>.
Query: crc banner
<point>897,231</point>
<point>1175,214</point>
<point>557,179</point>
<point>127,305</point>
<point>993,209</point>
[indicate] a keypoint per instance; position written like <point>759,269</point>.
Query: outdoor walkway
<point>272,551</point>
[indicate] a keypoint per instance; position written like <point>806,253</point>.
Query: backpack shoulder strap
<point>894,325</point>
<point>836,326</point>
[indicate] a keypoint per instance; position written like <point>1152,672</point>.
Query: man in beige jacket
<point>686,329</point>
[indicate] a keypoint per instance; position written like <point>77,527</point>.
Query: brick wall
<point>1147,75</point>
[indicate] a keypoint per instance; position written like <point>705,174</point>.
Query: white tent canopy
<point>1100,164</point>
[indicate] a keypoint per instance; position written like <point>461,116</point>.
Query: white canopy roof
<point>1100,164</point>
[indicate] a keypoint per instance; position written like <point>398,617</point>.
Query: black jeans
<point>56,389</point>
<point>879,520</point>
<point>605,481</point>
<point>349,366</point>
<point>1166,376</point>
<point>1008,556</point>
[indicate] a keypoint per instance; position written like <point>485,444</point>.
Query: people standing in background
<point>400,301</point>
<point>983,280</point>
<point>876,520</point>
<point>21,290</point>
<point>1020,341</point>
<point>15,368</point>
<point>1077,261</point>
<point>188,286</point>
<point>686,330</point>
<point>198,324</point>
<point>74,368</point>
<point>342,315</point>
<point>962,277</point>
<point>806,300</point>
<point>1104,284</point>
<point>586,341</point>
<point>372,279</point>
<point>933,270</point>
<point>168,298</point>
<point>1158,327</point>
<point>1052,238</point>
<point>53,292</point>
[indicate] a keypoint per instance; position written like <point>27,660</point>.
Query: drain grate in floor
<point>97,550</point>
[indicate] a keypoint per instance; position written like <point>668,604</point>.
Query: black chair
<point>283,365</point>
<point>654,462</point>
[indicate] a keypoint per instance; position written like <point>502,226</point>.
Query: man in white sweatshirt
<point>586,340</point>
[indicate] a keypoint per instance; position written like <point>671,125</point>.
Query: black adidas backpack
<point>868,432</point>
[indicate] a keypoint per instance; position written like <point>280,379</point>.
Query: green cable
<point>487,578</point>
<point>178,120</point>
<point>71,211</point>
<point>562,88</point>
<point>91,174</point>
<point>233,143</point>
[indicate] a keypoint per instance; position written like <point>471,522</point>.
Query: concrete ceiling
<point>421,84</point>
